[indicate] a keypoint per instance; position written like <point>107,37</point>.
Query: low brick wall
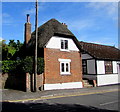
<point>3,78</point>
<point>30,82</point>
<point>40,80</point>
<point>13,81</point>
<point>22,82</point>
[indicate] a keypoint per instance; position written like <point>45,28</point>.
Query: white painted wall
<point>118,67</point>
<point>69,85</point>
<point>108,79</point>
<point>86,56</point>
<point>55,43</point>
<point>100,67</point>
<point>115,69</point>
<point>91,66</point>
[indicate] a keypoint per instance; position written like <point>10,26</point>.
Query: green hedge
<point>8,66</point>
<point>22,66</point>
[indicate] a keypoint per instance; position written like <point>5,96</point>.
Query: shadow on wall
<point>14,81</point>
<point>44,107</point>
<point>23,82</point>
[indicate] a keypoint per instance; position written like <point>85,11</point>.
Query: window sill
<point>66,50</point>
<point>108,73</point>
<point>65,73</point>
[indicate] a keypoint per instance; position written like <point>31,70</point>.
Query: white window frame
<point>64,61</point>
<point>63,49</point>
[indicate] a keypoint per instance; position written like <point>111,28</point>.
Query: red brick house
<point>61,52</point>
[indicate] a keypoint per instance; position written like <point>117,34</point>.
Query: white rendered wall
<point>55,43</point>
<point>115,69</point>
<point>69,85</point>
<point>108,79</point>
<point>86,56</point>
<point>100,67</point>
<point>91,66</point>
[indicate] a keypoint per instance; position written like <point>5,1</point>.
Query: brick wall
<point>22,82</point>
<point>12,81</point>
<point>27,34</point>
<point>30,82</point>
<point>52,66</point>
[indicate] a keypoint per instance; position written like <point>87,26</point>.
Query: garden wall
<point>22,82</point>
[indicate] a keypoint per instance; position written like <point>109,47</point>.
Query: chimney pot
<point>64,24</point>
<point>28,18</point>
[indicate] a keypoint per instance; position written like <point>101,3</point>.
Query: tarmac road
<point>108,101</point>
<point>97,102</point>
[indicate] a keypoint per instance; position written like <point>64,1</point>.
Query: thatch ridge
<point>49,29</point>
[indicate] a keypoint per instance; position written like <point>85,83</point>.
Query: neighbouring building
<point>61,52</point>
<point>100,63</point>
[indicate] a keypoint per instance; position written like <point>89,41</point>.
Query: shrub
<point>27,65</point>
<point>40,67</point>
<point>22,66</point>
<point>8,66</point>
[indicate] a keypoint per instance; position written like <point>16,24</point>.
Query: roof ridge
<point>98,44</point>
<point>50,28</point>
<point>99,51</point>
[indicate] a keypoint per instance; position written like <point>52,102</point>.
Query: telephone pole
<point>36,38</point>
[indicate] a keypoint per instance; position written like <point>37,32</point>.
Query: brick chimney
<point>27,30</point>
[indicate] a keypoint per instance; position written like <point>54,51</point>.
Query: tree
<point>9,50</point>
<point>12,43</point>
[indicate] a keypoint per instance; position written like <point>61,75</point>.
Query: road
<point>100,102</point>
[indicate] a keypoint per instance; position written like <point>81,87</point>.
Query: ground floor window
<point>65,66</point>
<point>108,67</point>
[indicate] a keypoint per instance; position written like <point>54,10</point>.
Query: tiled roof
<point>100,51</point>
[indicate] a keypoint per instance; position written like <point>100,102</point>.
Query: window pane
<point>62,44</point>
<point>84,70</point>
<point>66,44</point>
<point>67,68</point>
<point>84,66</point>
<point>108,67</point>
<point>62,67</point>
<point>84,63</point>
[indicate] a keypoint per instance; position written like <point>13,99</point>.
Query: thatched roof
<point>49,29</point>
<point>101,51</point>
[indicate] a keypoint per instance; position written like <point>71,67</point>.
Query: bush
<point>8,66</point>
<point>22,66</point>
<point>40,67</point>
<point>27,65</point>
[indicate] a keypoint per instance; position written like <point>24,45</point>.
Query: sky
<point>95,22</point>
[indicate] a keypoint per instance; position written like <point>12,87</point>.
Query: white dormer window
<point>64,45</point>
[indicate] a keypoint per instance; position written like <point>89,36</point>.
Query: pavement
<point>9,95</point>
